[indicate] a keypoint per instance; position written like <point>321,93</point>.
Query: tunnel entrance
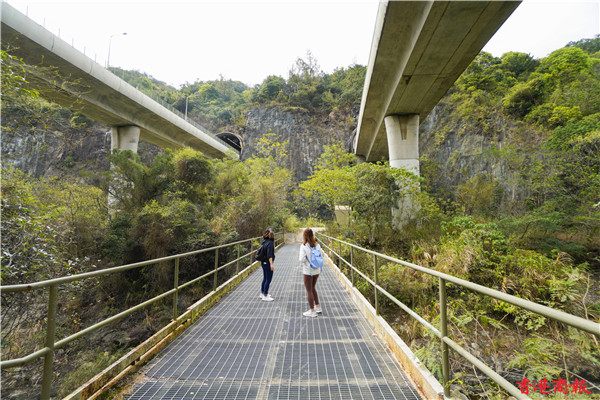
<point>232,139</point>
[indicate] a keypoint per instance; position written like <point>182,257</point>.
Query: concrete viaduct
<point>66,76</point>
<point>419,49</point>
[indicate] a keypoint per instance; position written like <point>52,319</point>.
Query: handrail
<point>561,316</point>
<point>107,271</point>
<point>47,352</point>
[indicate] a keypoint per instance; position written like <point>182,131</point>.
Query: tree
<point>344,87</point>
<point>305,83</point>
<point>13,84</point>
<point>480,75</point>
<point>251,195</point>
<point>590,46</point>
<point>376,193</point>
<point>562,137</point>
<point>334,157</point>
<point>270,88</point>
<point>306,68</point>
<point>270,148</point>
<point>518,65</point>
<point>523,97</point>
<point>331,186</point>
<point>565,64</point>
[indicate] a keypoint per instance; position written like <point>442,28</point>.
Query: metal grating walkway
<point>245,348</point>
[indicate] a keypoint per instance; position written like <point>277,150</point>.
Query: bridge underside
<point>419,50</point>
<point>71,79</point>
<point>247,348</point>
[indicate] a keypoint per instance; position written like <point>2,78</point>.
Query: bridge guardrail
<point>442,333</point>
<point>175,111</point>
<point>52,284</point>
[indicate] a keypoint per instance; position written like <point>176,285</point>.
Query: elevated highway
<point>66,76</point>
<point>419,49</point>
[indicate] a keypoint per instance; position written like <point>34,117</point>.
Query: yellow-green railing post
<point>352,264</point>
<point>237,263</point>
<point>340,255</point>
<point>50,336</point>
<point>216,266</point>
<point>176,287</point>
<point>444,333</point>
<point>376,290</point>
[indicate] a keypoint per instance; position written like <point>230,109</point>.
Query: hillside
<point>509,198</point>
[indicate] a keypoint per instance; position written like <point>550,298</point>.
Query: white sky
<point>178,41</point>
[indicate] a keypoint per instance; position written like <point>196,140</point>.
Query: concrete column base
<point>403,141</point>
<point>122,138</point>
<point>125,138</point>
<point>403,144</point>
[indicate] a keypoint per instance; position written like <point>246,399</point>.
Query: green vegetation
<point>520,215</point>
<point>222,103</point>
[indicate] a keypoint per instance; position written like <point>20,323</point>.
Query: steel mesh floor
<point>245,348</point>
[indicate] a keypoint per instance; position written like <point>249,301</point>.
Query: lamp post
<point>186,104</point>
<point>109,42</point>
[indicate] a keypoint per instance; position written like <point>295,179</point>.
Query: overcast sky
<point>179,41</point>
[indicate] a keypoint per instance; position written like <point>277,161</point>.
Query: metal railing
<point>51,345</point>
<point>442,333</point>
<point>158,99</point>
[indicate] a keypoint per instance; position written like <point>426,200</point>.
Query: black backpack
<point>261,252</point>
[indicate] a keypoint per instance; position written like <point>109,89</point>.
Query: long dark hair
<point>269,234</point>
<point>309,237</point>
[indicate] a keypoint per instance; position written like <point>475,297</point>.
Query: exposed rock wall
<point>307,134</point>
<point>465,148</point>
<point>50,153</point>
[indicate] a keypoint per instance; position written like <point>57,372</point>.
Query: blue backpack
<point>316,258</point>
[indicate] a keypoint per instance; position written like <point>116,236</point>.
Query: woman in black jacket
<point>267,266</point>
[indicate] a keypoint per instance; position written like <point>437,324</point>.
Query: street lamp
<point>109,41</point>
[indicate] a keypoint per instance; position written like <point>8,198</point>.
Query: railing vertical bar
<point>216,267</point>
<point>444,333</point>
<point>50,336</point>
<point>340,255</point>
<point>352,263</point>
<point>375,287</point>
<point>176,287</point>
<point>237,263</point>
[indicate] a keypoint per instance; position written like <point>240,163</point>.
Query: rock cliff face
<point>50,153</point>
<point>463,148</point>
<point>307,135</point>
<point>459,149</point>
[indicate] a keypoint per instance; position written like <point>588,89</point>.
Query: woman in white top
<point>310,274</point>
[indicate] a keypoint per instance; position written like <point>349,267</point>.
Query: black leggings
<point>310,283</point>
<point>267,277</point>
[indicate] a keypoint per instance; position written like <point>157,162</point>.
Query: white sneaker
<point>268,298</point>
<point>309,313</point>
<point>318,310</point>
<point>262,296</point>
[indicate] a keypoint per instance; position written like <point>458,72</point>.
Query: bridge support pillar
<point>122,138</point>
<point>403,141</point>
<point>125,138</point>
<point>403,144</point>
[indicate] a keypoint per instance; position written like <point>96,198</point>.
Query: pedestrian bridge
<point>245,348</point>
<point>231,345</point>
